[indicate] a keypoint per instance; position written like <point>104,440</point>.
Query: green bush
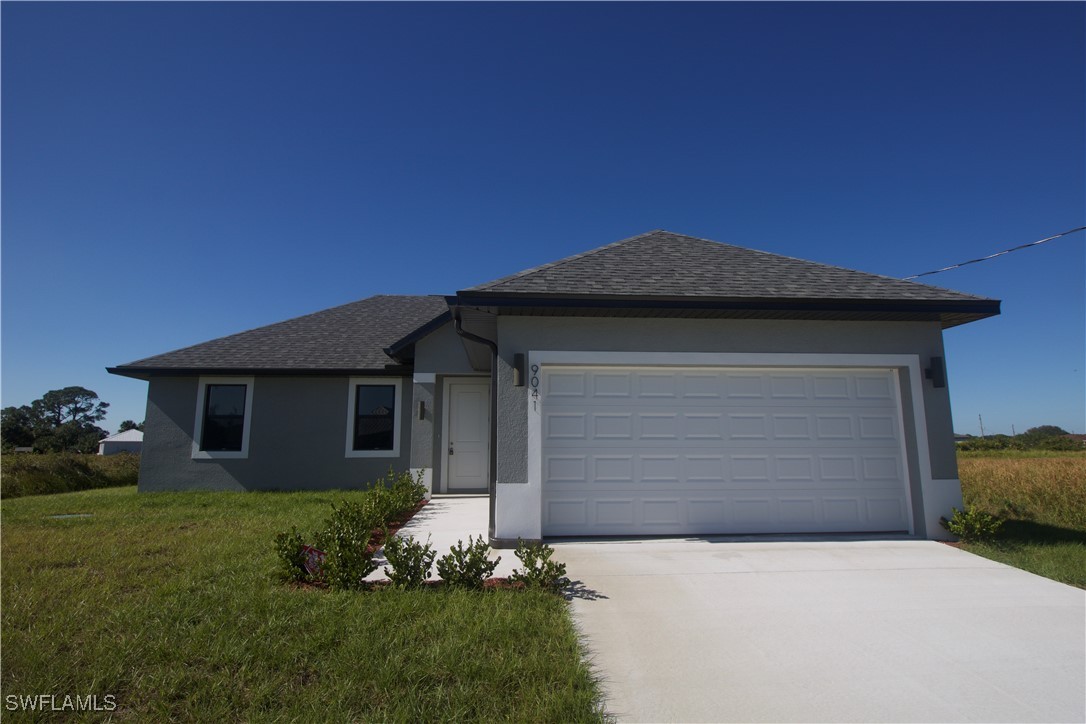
<point>539,570</point>
<point>406,491</point>
<point>394,495</point>
<point>345,541</point>
<point>411,561</point>
<point>288,546</point>
<point>347,533</point>
<point>43,474</point>
<point>972,525</point>
<point>467,567</point>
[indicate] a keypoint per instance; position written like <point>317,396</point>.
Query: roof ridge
<point>563,260</point>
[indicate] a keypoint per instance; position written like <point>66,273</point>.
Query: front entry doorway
<point>466,454</point>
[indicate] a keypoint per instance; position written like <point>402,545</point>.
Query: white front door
<point>467,438</point>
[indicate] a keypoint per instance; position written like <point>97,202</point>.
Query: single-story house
<point>129,441</point>
<point>660,385</point>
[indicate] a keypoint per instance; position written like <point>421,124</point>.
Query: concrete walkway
<point>719,630</point>
<point>445,520</point>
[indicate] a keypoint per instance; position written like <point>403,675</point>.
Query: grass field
<point>169,603</point>
<point>1042,497</point>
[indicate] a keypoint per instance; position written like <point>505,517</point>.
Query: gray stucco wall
<point>442,352</point>
<point>422,431</point>
<point>522,334</point>
<point>297,438</point>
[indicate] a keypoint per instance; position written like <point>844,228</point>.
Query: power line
<point>998,253</point>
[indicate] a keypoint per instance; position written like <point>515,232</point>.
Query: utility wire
<point>993,256</point>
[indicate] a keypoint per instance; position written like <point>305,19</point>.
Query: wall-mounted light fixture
<point>422,409</point>
<point>936,372</point>
<point>518,370</point>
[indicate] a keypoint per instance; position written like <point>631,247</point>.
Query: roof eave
<point>951,312</point>
<point>147,372</point>
<point>399,349</point>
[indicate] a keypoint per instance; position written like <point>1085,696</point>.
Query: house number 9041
<point>534,382</point>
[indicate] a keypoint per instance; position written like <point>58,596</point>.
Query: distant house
<point>1081,439</point>
<point>130,441</point>
<point>660,385</point>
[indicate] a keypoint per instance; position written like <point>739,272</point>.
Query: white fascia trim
<point>540,358</point>
<point>352,390</point>
<point>198,427</point>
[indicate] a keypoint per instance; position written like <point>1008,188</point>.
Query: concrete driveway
<point>725,630</point>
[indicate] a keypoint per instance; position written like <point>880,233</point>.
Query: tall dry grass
<point>41,474</point>
<point>1050,490</point>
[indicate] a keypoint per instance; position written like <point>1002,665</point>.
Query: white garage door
<point>721,450</point>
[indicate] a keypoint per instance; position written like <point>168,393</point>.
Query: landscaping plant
<point>289,548</point>
<point>348,533</point>
<point>539,570</point>
<point>345,541</point>
<point>972,524</point>
<point>467,567</point>
<point>411,561</point>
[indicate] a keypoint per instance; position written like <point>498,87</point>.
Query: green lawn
<point>169,602</point>
<point>1042,498</point>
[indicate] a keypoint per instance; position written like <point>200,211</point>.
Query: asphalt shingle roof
<point>656,268</point>
<point>351,337</point>
<point>664,264</point>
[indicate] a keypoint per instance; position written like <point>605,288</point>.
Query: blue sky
<point>176,172</point>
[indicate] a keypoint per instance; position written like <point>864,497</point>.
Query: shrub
<point>345,541</point>
<point>406,491</point>
<point>411,561</point>
<point>467,567</point>
<point>972,524</point>
<point>539,570</point>
<point>346,536</point>
<point>288,546</point>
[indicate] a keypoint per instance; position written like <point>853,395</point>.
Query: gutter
<point>492,483</point>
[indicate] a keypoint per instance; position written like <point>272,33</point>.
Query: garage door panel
<point>567,515</point>
<point>613,512</point>
<point>798,511</point>
<point>721,451</point>
<point>790,426</point>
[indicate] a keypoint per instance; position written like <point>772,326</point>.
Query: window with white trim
<point>373,421</point>
<point>224,407</point>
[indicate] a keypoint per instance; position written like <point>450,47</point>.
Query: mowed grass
<point>170,603</point>
<point>1042,498</point>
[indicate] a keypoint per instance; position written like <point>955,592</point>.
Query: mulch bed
<point>377,535</point>
<point>377,540</point>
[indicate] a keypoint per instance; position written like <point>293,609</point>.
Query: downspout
<point>492,483</point>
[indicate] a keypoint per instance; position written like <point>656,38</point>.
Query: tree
<point>72,404</point>
<point>18,425</point>
<point>129,425</point>
<point>1045,431</point>
<point>61,420</point>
